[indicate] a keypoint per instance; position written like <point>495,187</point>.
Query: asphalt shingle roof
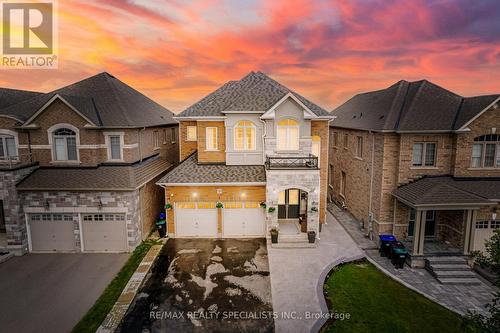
<point>254,92</point>
<point>449,190</point>
<point>104,177</point>
<point>103,99</point>
<point>9,97</point>
<point>190,171</point>
<point>410,106</point>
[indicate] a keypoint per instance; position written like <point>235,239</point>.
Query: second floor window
<point>190,133</point>
<point>64,145</point>
<point>244,135</point>
<point>486,151</point>
<point>359,147</point>
<point>346,141</point>
<point>7,147</point>
<point>424,154</point>
<point>211,138</point>
<point>173,137</point>
<point>288,135</point>
<point>115,147</point>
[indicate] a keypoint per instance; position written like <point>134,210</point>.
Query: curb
<point>319,288</point>
<point>115,316</point>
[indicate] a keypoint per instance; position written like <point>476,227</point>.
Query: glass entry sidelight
<point>289,204</point>
<point>430,223</point>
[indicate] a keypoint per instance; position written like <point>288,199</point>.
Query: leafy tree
<point>489,323</point>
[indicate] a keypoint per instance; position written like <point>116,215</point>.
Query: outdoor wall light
<point>46,204</point>
<point>99,204</point>
<point>219,191</point>
<point>243,194</point>
<point>494,214</point>
<point>195,194</point>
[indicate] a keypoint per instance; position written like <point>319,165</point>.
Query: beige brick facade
<point>321,129</point>
<point>217,156</point>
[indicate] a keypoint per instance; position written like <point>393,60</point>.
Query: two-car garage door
<point>200,219</point>
<point>51,232</point>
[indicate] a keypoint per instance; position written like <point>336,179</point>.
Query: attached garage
<point>104,232</point>
<point>484,231</point>
<point>243,219</point>
<point>196,219</point>
<point>52,232</point>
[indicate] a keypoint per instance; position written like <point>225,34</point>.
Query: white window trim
<point>287,148</point>
<point>16,143</point>
<point>50,131</point>
<point>423,157</point>
<point>195,133</point>
<point>173,136</point>
<point>156,140</point>
<point>483,155</point>
<point>254,143</point>
<point>108,145</point>
<point>216,139</point>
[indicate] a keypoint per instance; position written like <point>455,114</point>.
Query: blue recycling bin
<point>385,244</point>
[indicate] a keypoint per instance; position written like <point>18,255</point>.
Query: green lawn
<point>376,303</point>
<point>94,317</point>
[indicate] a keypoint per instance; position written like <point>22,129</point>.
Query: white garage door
<point>243,219</point>
<point>104,232</point>
<point>196,219</point>
<point>484,231</point>
<point>52,232</point>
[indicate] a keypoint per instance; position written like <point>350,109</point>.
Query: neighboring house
<point>78,166</point>
<point>249,142</point>
<point>420,162</point>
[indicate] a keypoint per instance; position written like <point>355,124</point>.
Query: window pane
<point>293,137</point>
<point>239,138</point>
<point>498,156</point>
<point>71,149</point>
<point>359,151</point>
<point>430,154</point>
<point>60,149</point>
<point>477,152</point>
<point>116,153</point>
<point>293,197</point>
<point>412,214</point>
<point>211,138</point>
<point>250,138</point>
<point>2,149</point>
<point>417,154</point>
<point>282,144</point>
<point>281,198</point>
<point>191,133</point>
<point>11,146</point>
<point>489,155</point>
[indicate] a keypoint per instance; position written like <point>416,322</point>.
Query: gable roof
<point>101,98</point>
<point>10,97</point>
<point>254,92</point>
<point>410,106</point>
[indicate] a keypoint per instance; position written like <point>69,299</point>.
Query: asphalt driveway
<point>52,292</point>
<point>205,285</point>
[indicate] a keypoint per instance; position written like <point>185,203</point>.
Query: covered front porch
<point>435,217</point>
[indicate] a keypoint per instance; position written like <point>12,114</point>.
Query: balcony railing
<point>283,163</point>
<point>10,162</point>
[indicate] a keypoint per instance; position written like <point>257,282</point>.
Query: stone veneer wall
<point>14,218</point>
<point>86,202</point>
<point>307,180</point>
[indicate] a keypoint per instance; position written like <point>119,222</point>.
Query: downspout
<point>370,213</point>
<point>264,140</point>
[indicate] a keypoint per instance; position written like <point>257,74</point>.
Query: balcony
<point>16,162</point>
<point>287,163</point>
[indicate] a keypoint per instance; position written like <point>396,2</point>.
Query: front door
<point>289,204</point>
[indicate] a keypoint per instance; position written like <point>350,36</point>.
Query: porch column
<point>469,229</point>
<point>419,233</point>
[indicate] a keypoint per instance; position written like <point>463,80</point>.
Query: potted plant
<point>168,206</point>
<point>219,205</point>
<point>271,209</point>
<point>274,235</point>
<point>263,205</point>
<point>311,235</point>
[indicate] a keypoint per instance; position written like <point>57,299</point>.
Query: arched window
<point>244,135</point>
<point>288,134</point>
<point>8,149</point>
<point>486,151</point>
<point>64,144</point>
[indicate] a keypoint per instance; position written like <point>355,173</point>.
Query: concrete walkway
<point>458,298</point>
<point>297,277</point>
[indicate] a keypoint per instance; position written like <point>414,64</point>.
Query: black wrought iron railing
<point>282,163</point>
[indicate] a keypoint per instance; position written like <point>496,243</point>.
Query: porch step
<point>446,260</point>
<point>292,245</point>
<point>293,238</point>
<point>460,281</point>
<point>454,274</point>
<point>450,267</point>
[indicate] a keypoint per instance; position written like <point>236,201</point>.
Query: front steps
<point>293,241</point>
<point>451,270</point>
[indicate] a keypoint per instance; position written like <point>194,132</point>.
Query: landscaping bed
<point>376,303</point>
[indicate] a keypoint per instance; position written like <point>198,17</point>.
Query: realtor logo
<point>29,35</point>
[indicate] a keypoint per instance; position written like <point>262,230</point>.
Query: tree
<point>489,323</point>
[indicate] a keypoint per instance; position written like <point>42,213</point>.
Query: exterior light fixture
<point>99,204</point>
<point>219,191</point>
<point>243,194</point>
<point>494,214</point>
<point>46,205</point>
<point>195,194</point>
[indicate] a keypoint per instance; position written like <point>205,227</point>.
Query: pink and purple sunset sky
<point>178,51</point>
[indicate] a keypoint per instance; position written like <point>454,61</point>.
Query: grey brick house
<point>78,166</point>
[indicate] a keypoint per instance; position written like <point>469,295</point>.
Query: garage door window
<point>104,217</point>
<point>51,217</point>
<point>233,205</point>
<point>186,205</point>
<point>252,204</point>
<point>206,205</point>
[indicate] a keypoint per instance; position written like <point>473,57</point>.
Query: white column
<point>469,230</point>
<point>419,233</point>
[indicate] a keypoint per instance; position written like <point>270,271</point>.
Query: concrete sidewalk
<point>52,292</point>
<point>296,273</point>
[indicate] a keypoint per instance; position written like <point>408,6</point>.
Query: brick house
<point>420,162</point>
<point>250,143</point>
<point>78,166</point>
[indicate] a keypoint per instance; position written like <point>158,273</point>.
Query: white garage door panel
<point>49,235</point>
<point>104,233</point>
<point>195,222</point>
<point>484,231</point>
<point>244,222</point>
